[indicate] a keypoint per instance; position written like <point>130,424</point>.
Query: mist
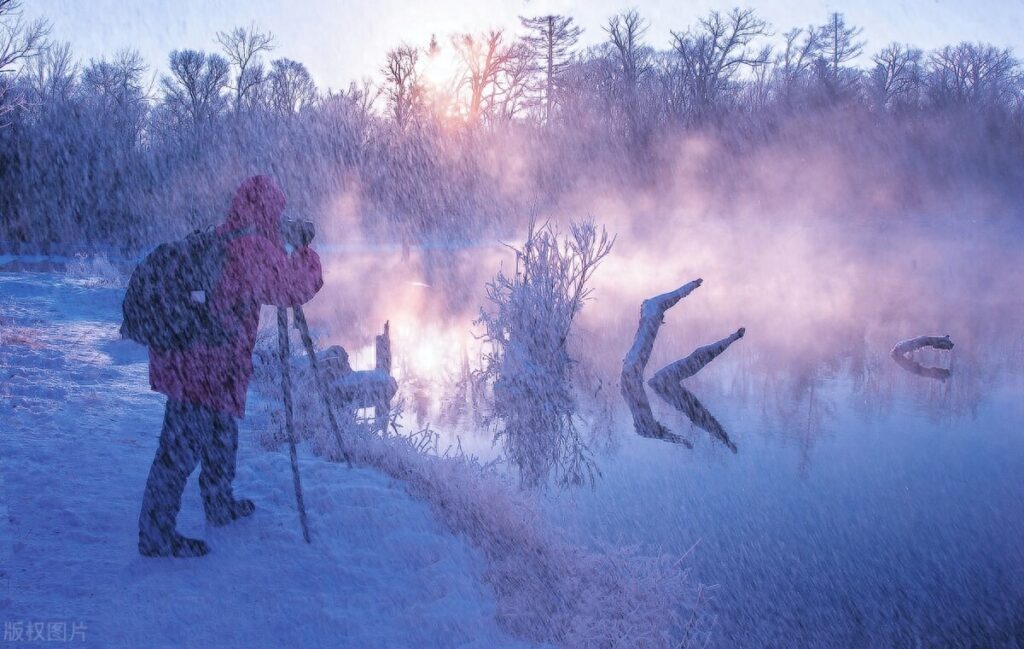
<point>832,204</point>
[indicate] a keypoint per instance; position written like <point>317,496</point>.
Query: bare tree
<point>795,60</point>
<point>291,87</point>
<point>363,95</point>
<point>116,89</point>
<point>402,85</point>
<point>550,39</point>
<point>838,42</point>
<point>20,41</point>
<point>119,80</point>
<point>350,113</point>
<point>52,74</point>
<point>242,46</point>
<point>972,74</point>
<point>513,83</point>
<point>713,53</point>
<point>626,32</point>
<point>633,64</point>
<point>895,81</point>
<point>839,45</point>
<point>482,60</point>
<point>194,89</point>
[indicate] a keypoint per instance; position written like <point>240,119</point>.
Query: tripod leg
<point>286,384</point>
<point>307,341</point>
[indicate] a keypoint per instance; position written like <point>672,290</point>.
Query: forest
<point>478,132</point>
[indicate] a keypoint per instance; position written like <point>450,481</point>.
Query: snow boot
<point>177,545</point>
<point>237,509</point>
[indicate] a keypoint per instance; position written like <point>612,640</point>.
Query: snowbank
<point>78,429</point>
<point>409,549</point>
<point>548,590</point>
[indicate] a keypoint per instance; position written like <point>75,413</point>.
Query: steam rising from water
<point>823,248</point>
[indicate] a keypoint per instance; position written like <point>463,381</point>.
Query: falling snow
<point>484,406</point>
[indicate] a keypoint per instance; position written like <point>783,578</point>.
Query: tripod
<point>307,342</point>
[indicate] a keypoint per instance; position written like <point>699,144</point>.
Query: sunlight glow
<point>440,70</point>
<point>427,358</point>
<point>428,349</point>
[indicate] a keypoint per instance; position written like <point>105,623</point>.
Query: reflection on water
<point>846,519</point>
<point>685,402</point>
<point>869,505</point>
<point>667,383</point>
<point>912,366</point>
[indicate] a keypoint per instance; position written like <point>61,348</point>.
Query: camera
<point>297,233</point>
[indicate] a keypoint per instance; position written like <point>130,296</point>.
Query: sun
<point>440,70</point>
<point>428,358</point>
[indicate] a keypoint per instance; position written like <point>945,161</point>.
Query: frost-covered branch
<point>533,405</point>
<point>20,42</point>
<point>695,362</point>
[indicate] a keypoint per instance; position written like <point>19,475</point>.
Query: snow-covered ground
<point>78,430</point>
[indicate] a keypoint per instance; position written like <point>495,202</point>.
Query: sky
<point>345,40</point>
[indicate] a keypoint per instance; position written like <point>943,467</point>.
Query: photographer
<point>206,385</point>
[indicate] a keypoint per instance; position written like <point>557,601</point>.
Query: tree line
<point>109,153</point>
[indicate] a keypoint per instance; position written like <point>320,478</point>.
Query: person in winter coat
<point>206,386</point>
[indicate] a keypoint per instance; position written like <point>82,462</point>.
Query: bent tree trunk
<point>652,315</point>
<point>667,382</point>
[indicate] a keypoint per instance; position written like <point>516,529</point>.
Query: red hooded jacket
<point>256,271</point>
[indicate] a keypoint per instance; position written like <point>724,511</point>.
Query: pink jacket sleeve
<point>274,277</point>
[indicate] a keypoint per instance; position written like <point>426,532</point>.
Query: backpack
<point>167,303</point>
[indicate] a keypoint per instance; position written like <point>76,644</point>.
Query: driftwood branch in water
<point>901,349</point>
<point>667,382</point>
<point>695,362</point>
<point>907,346</point>
<point>652,315</point>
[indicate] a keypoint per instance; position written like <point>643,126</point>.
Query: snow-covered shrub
<point>527,328</point>
<point>94,270</point>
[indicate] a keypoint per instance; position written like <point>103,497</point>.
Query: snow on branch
<point>938,342</point>
<point>667,382</point>
<point>900,353</point>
